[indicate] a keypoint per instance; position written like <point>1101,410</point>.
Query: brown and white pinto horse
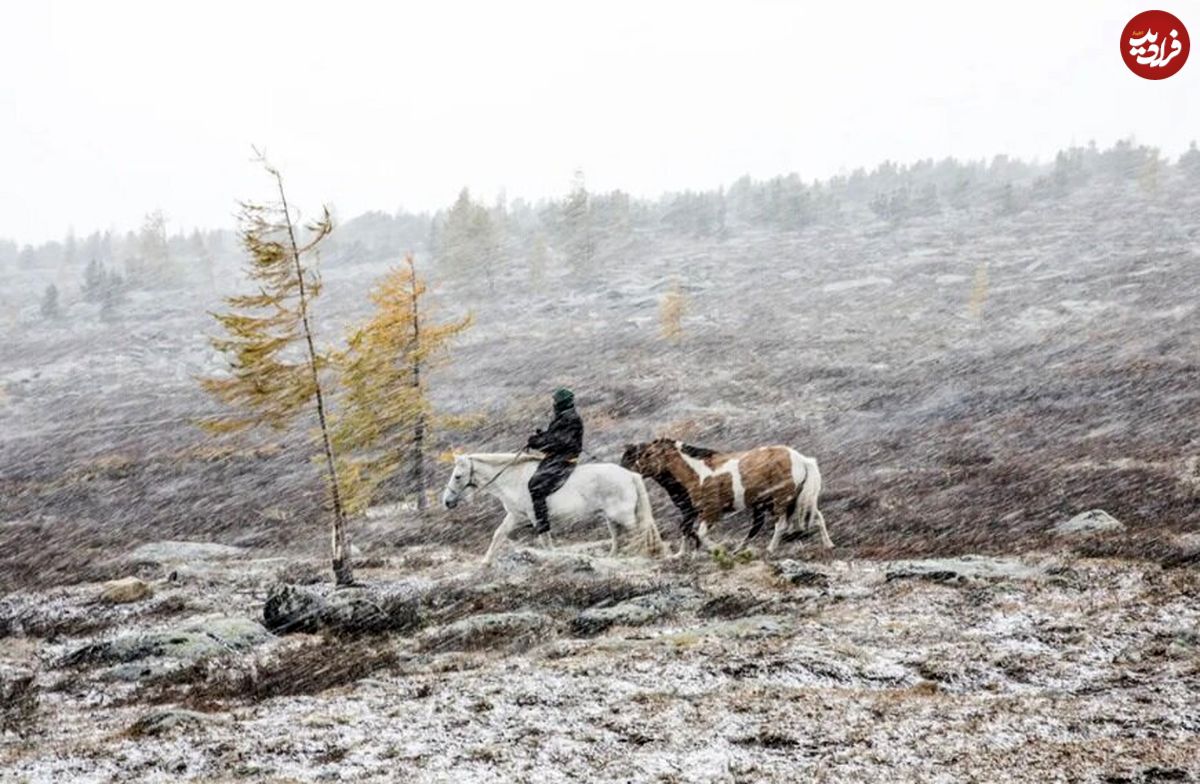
<point>774,481</point>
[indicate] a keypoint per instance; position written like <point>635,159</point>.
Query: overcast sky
<point>111,109</point>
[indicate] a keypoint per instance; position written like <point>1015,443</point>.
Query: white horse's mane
<point>493,458</point>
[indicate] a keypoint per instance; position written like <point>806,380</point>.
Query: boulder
<point>489,630</point>
<point>1091,522</point>
<point>290,608</point>
<point>126,590</point>
<point>349,611</point>
<point>967,568</point>
<point>208,637</point>
<point>637,611</point>
<point>734,605</point>
<point>1185,552</point>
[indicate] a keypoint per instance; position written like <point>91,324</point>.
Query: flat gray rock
<point>200,639</point>
<point>801,573</point>
<point>1091,522</point>
<point>159,552</point>
<point>638,611</point>
<point>489,630</point>
<point>964,569</point>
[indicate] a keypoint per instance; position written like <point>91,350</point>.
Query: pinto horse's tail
<point>803,508</point>
<point>651,539</point>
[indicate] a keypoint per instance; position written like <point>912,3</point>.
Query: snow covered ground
<point>1041,668</point>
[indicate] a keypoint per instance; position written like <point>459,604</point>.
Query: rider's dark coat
<point>562,443</point>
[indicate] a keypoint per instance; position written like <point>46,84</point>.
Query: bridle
<point>485,485</point>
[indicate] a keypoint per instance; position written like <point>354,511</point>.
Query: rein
<point>508,465</point>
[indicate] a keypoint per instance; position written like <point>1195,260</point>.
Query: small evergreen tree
<point>538,257</point>
<point>1189,162</point>
<point>469,240</point>
<point>103,286</point>
<point>577,225</point>
<point>275,367</point>
<point>152,266</point>
<point>94,281</point>
<point>112,293</point>
<point>49,306</point>
<point>384,413</point>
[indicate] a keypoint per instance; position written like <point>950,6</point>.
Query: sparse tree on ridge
<point>275,368</point>
<point>104,286</point>
<point>384,413</point>
<point>95,279</point>
<point>49,306</point>
<point>670,313</point>
<point>577,225</point>
<point>469,241</point>
<point>538,257</point>
<point>152,265</point>
<point>1189,162</point>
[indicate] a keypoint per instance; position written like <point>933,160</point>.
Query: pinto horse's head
<point>649,459</point>
<point>629,457</point>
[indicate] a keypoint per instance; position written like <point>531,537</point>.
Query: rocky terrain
<point>564,665</point>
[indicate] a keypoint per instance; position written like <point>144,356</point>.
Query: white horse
<point>604,488</point>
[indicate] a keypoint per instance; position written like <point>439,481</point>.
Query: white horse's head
<point>460,479</point>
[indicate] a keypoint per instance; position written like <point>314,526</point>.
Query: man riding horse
<point>561,442</point>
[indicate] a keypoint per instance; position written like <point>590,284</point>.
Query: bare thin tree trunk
<point>342,571</point>
<point>418,460</point>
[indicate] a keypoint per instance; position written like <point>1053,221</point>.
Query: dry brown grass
<point>19,700</point>
<point>309,668</point>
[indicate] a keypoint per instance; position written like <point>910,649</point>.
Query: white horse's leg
<point>502,532</point>
<point>613,530</point>
<point>545,541</point>
<point>780,526</point>
<point>825,540</point>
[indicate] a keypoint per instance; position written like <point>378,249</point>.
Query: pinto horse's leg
<point>502,531</point>
<point>702,537</point>
<point>781,525</point>
<point>759,517</point>
<point>687,527</point>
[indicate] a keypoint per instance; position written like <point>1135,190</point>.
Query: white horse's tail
<point>804,506</point>
<point>652,541</point>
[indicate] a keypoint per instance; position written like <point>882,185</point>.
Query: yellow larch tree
<point>670,313</point>
<point>384,414</point>
<point>275,369</point>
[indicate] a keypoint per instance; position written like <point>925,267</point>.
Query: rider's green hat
<point>563,396</point>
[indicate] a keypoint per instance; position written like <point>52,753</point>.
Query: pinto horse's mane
<point>699,452</point>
